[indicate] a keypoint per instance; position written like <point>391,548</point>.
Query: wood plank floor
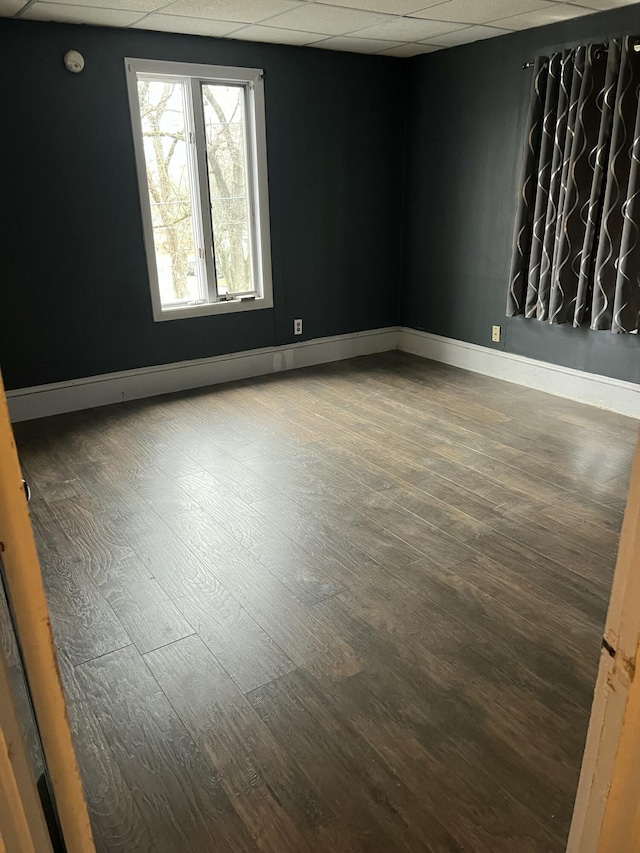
<point>351,608</point>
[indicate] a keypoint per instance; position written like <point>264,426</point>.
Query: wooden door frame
<point>33,629</point>
<point>606,815</point>
<point>23,827</point>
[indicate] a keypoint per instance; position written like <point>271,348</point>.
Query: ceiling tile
<point>274,35</point>
<point>408,29</point>
<point>331,20</point>
<point>194,26</point>
<point>391,7</point>
<point>601,4</point>
<point>43,11</point>
<point>355,45</point>
<point>479,11</point>
<point>557,12</point>
<point>386,27</point>
<point>10,7</point>
<point>128,5</point>
<point>406,50</point>
<point>467,36</point>
<point>244,11</point>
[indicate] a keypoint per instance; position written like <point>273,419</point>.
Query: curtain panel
<point>576,248</point>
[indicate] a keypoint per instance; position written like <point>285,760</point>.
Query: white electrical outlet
<point>297,327</point>
<point>495,334</point>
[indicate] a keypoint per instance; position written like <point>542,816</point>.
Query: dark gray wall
<point>74,295</point>
<point>466,109</point>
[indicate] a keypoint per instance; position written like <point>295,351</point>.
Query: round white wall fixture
<point>74,61</point>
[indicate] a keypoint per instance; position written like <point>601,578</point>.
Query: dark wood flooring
<point>350,608</point>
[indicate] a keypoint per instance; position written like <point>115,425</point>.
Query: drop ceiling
<point>386,27</point>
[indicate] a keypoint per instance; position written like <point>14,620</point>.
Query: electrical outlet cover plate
<point>495,334</point>
<point>297,327</point>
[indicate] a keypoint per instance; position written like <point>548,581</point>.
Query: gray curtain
<point>576,252</point>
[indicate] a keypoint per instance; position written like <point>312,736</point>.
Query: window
<point>199,136</point>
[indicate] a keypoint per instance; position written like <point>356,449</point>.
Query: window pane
<point>224,118</point>
<point>164,129</point>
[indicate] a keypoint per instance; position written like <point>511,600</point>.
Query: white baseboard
<point>86,393</point>
<point>591,388</point>
<point>601,391</point>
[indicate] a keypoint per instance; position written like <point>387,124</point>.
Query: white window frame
<point>252,81</point>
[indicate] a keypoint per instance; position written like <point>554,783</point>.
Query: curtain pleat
<point>605,100</point>
<point>626,306</point>
<point>576,251</point>
<point>562,293</point>
<point>524,212</point>
<point>534,306</point>
<point>555,180</point>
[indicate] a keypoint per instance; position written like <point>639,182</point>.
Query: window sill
<point>226,307</point>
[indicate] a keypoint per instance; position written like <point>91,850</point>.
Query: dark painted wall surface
<point>74,294</point>
<point>466,110</point>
